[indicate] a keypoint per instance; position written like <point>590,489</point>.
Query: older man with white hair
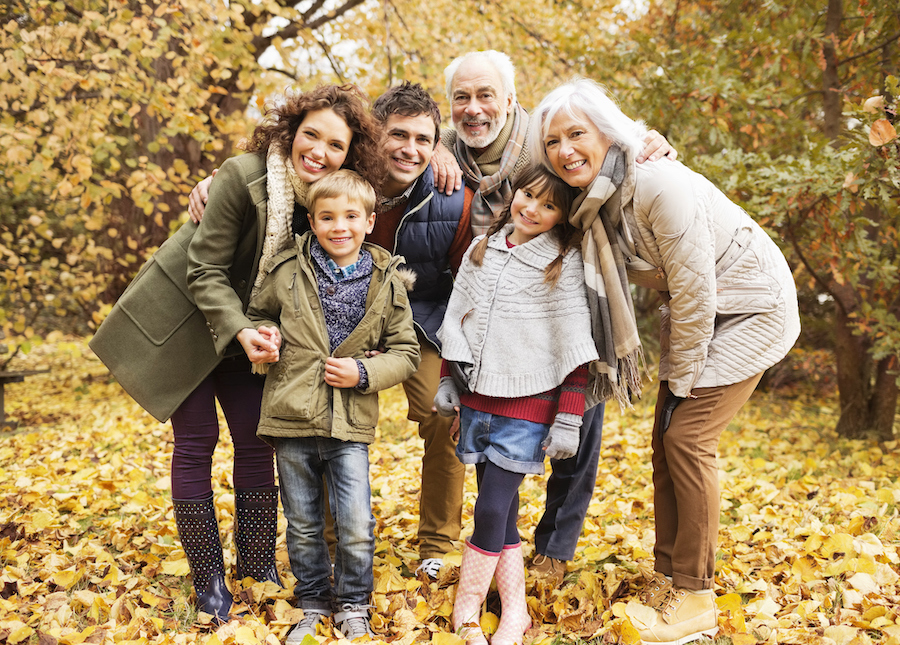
<point>489,144</point>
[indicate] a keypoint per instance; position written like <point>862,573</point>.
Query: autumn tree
<point>109,113</point>
<point>765,98</point>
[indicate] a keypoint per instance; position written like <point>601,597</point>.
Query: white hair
<point>498,60</point>
<point>578,97</point>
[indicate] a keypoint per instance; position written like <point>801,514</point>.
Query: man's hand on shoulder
<point>656,147</point>
<point>447,173</point>
<point>198,198</point>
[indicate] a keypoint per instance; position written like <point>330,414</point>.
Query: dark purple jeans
<point>197,432</point>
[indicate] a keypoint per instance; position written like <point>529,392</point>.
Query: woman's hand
<point>655,147</point>
<point>447,173</point>
<point>198,198</point>
<point>341,372</point>
<point>258,345</point>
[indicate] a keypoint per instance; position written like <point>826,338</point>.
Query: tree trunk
<point>854,367</point>
<point>867,388</point>
<point>831,82</point>
<point>883,405</point>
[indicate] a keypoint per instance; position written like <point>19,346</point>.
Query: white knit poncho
<point>521,335</point>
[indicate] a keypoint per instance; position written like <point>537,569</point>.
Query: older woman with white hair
<point>729,312</point>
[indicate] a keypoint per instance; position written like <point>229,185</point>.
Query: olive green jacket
<point>296,400</point>
<point>162,337</point>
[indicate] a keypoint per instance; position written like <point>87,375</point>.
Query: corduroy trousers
<point>440,505</point>
<point>686,481</point>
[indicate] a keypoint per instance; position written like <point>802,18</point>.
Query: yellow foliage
<point>89,543</point>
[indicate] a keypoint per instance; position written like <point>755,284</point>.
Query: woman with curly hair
<point>179,337</point>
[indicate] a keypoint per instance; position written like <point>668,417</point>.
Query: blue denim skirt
<point>511,444</point>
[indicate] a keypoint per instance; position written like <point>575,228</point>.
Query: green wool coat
<point>163,337</point>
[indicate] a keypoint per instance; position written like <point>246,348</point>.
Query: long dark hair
<point>540,181</point>
<point>281,122</point>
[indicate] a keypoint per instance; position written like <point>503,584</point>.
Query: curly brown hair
<point>541,181</point>
<point>281,122</point>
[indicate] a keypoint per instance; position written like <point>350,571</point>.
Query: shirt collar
<point>387,203</point>
<point>331,268</point>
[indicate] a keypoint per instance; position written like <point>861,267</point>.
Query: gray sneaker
<point>306,627</point>
<point>431,567</point>
<point>352,621</point>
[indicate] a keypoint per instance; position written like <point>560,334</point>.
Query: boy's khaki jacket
<point>296,400</point>
<point>156,341</point>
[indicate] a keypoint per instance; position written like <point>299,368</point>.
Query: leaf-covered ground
<point>808,544</point>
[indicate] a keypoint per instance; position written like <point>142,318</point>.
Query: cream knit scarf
<point>284,188</point>
<point>621,367</point>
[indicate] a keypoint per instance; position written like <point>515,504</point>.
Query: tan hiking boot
<point>685,617</point>
<point>550,569</point>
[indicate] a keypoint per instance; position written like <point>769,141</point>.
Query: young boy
<point>331,299</point>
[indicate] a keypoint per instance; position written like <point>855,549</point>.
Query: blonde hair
<point>539,180</point>
<point>342,183</point>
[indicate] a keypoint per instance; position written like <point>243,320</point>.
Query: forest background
<point>111,111</point>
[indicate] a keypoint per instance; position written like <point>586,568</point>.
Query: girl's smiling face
<point>532,213</point>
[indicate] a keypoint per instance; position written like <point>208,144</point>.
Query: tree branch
<point>870,51</point>
<point>261,43</point>
<point>802,257</point>
<point>331,60</point>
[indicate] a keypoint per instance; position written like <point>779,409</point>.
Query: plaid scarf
<point>494,190</point>
<point>619,372</point>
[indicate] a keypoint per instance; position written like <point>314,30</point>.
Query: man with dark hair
<point>432,231</point>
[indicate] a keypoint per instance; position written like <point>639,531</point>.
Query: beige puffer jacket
<point>732,304</point>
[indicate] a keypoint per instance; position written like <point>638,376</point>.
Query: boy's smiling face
<point>340,225</point>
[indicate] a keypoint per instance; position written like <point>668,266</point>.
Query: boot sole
<point>690,638</point>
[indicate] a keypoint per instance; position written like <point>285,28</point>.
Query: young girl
<point>516,341</point>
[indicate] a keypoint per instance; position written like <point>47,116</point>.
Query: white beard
<point>494,128</point>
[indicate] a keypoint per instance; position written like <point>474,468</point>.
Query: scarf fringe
<point>261,369</point>
<point>627,382</point>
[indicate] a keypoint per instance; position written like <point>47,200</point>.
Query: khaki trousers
<point>686,481</point>
<point>443,476</point>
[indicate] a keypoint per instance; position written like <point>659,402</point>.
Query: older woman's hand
<point>656,147</point>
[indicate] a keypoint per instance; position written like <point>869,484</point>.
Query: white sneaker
<point>431,567</point>
<point>352,621</point>
<point>306,626</point>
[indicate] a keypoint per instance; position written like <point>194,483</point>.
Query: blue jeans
<point>302,462</point>
<point>569,491</point>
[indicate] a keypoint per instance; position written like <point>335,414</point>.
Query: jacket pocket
<point>158,301</point>
<point>364,410</point>
<point>295,385</point>
<point>745,299</point>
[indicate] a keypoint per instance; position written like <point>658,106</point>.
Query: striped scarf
<point>493,190</point>
<point>619,372</point>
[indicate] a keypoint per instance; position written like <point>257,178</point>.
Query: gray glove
<point>562,440</point>
<point>447,398</point>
